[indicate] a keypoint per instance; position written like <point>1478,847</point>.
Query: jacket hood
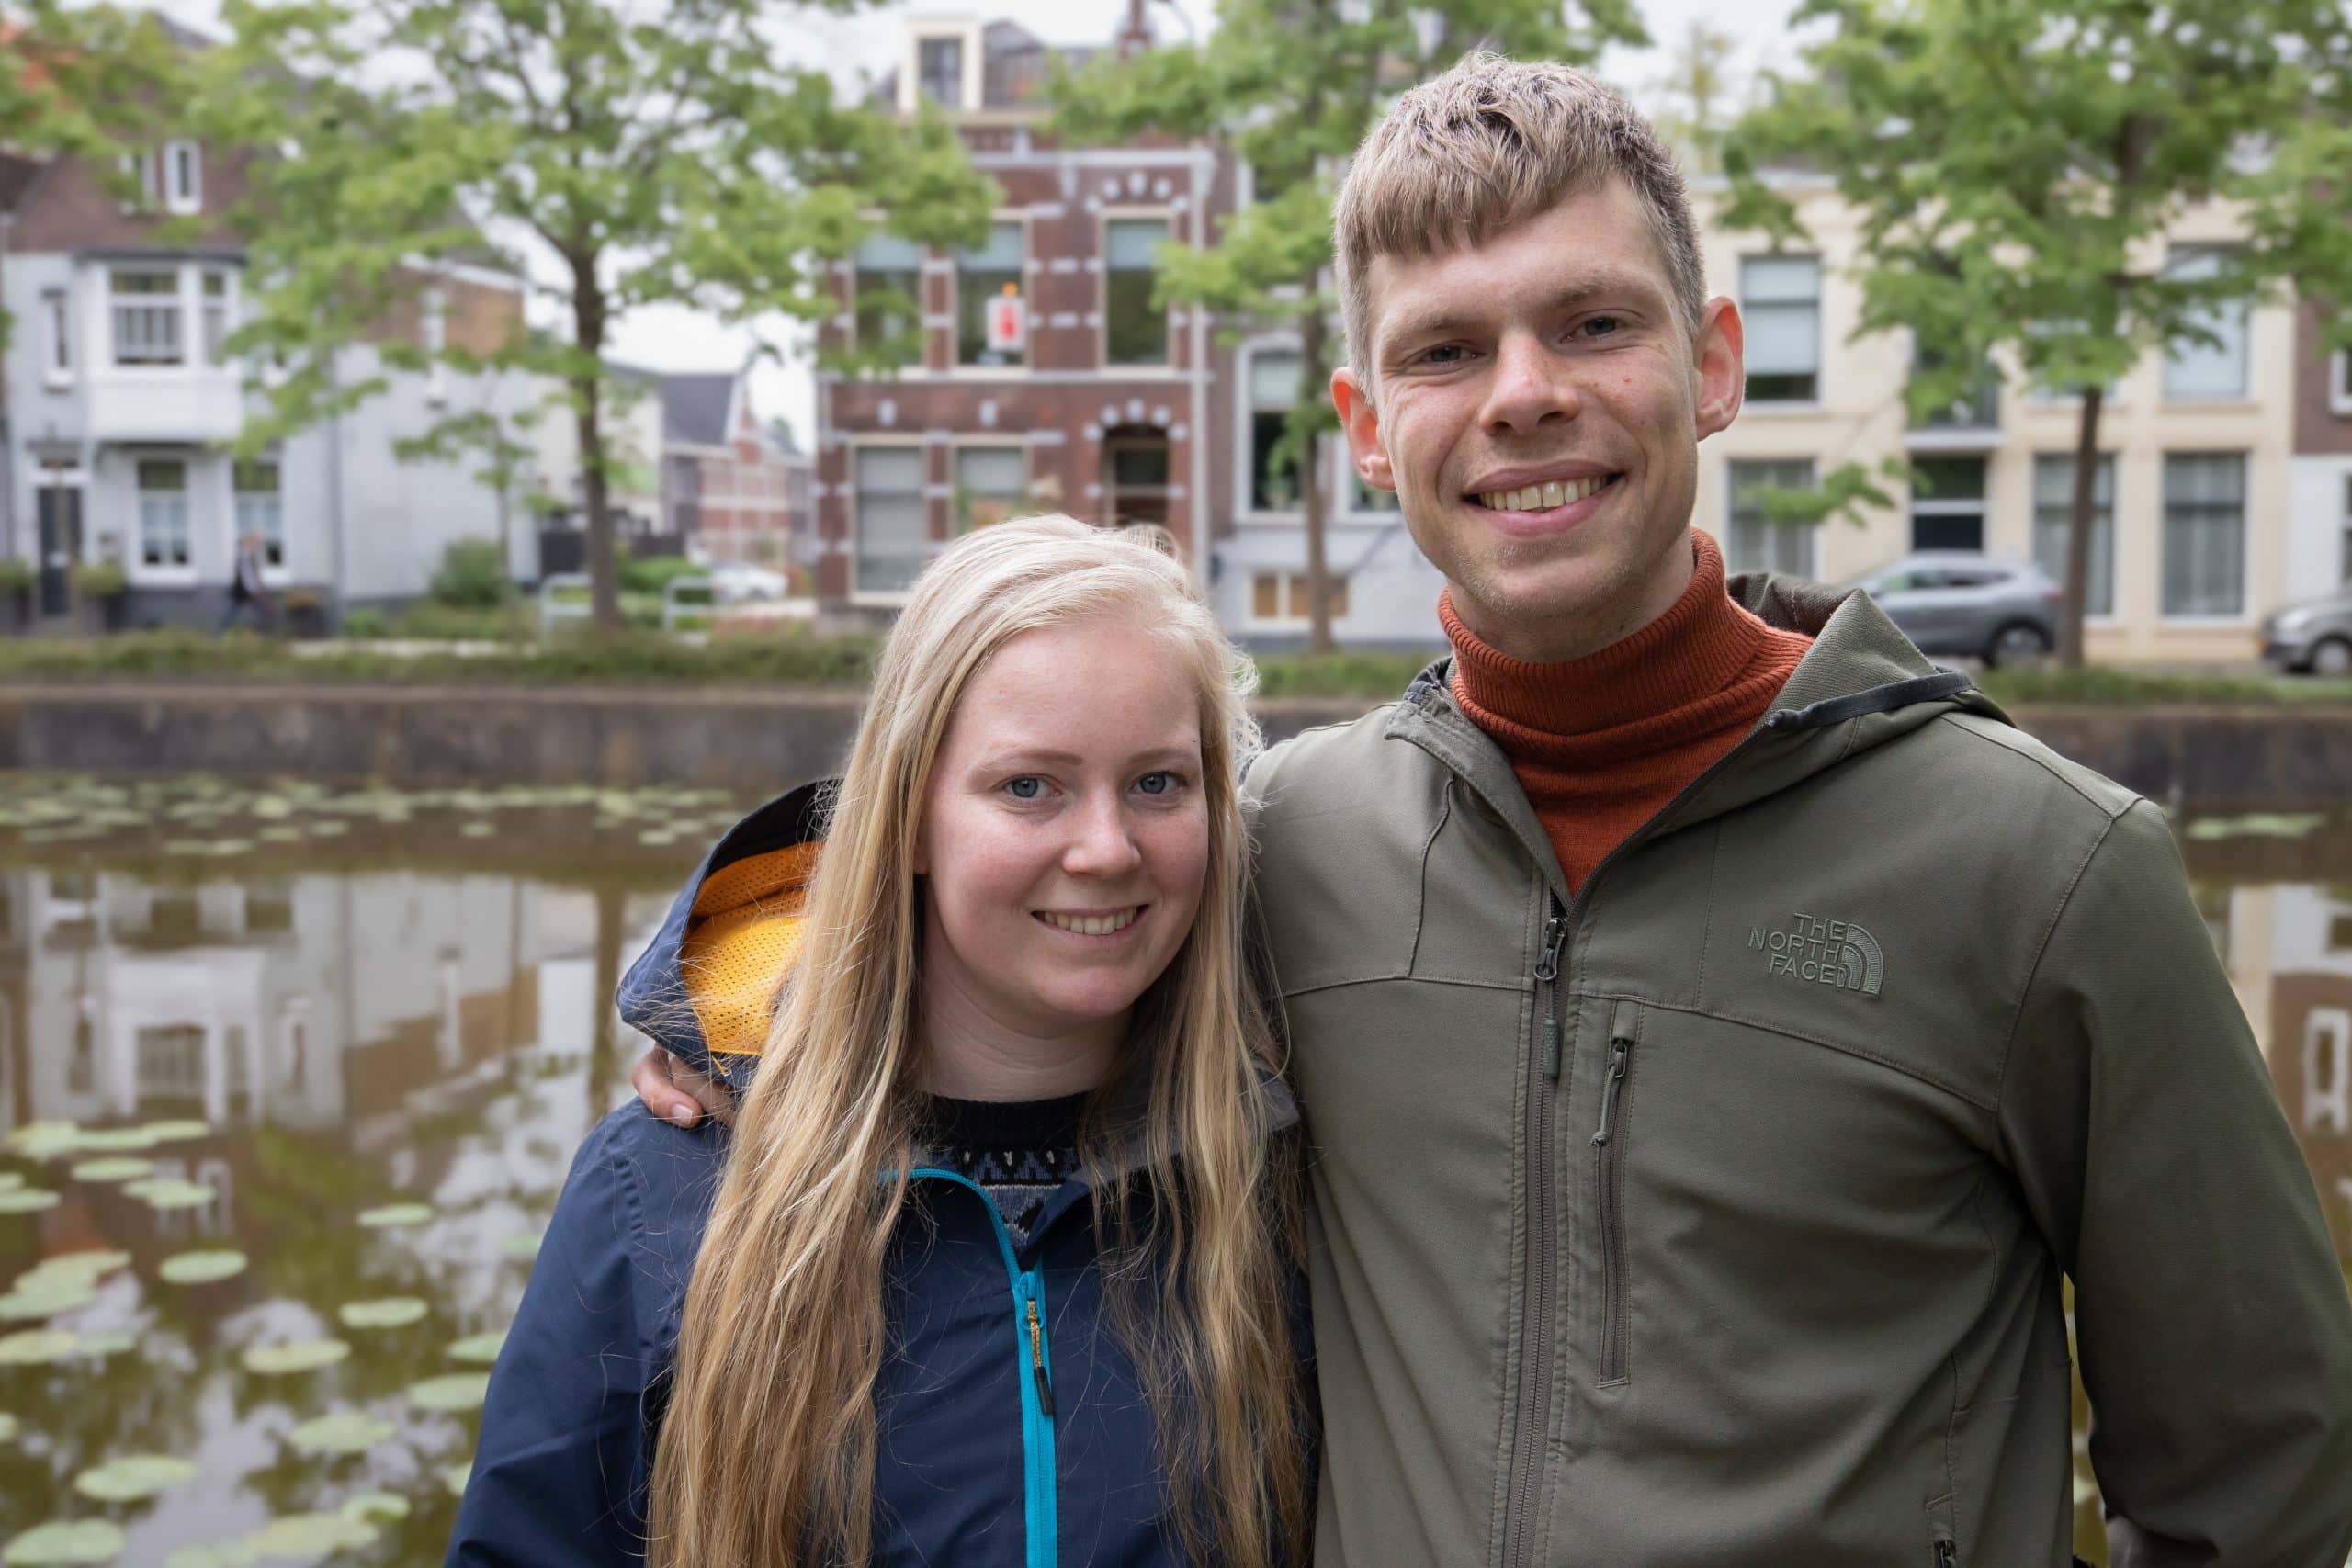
<point>704,989</point>
<point>1862,684</point>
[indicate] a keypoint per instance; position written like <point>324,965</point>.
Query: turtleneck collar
<point>1671,676</point>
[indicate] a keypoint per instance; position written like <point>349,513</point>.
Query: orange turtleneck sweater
<point>1601,743</point>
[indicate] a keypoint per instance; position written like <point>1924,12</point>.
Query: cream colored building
<point>2198,446</point>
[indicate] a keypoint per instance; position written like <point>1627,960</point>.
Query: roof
<point>694,407</point>
<point>1015,64</point>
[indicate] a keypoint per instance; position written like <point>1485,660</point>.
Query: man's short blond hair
<point>1491,143</point>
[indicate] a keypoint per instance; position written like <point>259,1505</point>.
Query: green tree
<point>1289,87</point>
<point>678,158</point>
<point>1698,93</point>
<point>2018,165</point>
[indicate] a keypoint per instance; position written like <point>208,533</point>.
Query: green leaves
<point>133,1476</point>
<point>298,1355</point>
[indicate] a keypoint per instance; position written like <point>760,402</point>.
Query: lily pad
<point>459,1391</point>
<point>45,1140</point>
<point>173,1132</point>
<point>454,1476</point>
<point>7,1427</point>
<point>393,1214</point>
<point>345,1432</point>
<point>301,1356</point>
<point>392,1312</point>
<point>133,1476</point>
<point>2259,825</point>
<point>524,1246</point>
<point>478,1349</point>
<point>220,1554</point>
<point>306,1537</point>
<point>201,1267</point>
<point>376,1505</point>
<point>171,1192</point>
<point>11,1180</point>
<point>87,1267</point>
<point>60,1543</point>
<point>45,1298</point>
<point>114,1140</point>
<point>27,1200</point>
<point>106,1344</point>
<point>38,1346</point>
<point>115,1167</point>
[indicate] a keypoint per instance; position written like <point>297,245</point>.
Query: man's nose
<point>1103,841</point>
<point>1530,388</point>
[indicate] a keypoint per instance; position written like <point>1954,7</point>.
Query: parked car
<point>740,582</point>
<point>1961,602</point>
<point>2313,637</point>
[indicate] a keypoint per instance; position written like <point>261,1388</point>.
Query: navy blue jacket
<point>997,1447</point>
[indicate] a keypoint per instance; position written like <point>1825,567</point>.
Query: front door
<point>59,510</point>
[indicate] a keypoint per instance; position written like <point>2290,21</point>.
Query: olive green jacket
<point>1717,1214</point>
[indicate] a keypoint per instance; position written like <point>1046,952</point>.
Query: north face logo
<point>1828,953</point>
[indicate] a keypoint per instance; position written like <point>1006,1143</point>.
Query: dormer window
<point>183,177</point>
<point>940,69</point>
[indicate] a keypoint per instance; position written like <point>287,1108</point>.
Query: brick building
<point>728,482</point>
<point>1047,382</point>
<point>2320,472</point>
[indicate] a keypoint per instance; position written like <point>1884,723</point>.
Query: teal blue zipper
<point>1042,1506</point>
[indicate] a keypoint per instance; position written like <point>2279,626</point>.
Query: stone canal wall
<point>759,738</point>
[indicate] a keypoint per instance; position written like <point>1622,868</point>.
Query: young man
<point>1722,1034</point>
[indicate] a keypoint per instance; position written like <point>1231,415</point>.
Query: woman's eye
<point>1157,784</point>
<point>1025,788</point>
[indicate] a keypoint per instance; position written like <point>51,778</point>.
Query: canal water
<point>290,1077</point>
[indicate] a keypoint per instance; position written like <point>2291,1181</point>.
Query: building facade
<point>729,482</point>
<point>119,396</point>
<point>2319,549</point>
<point>631,429</point>
<point>1047,382</point>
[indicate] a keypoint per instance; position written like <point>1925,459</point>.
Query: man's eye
<point>1440,355</point>
<point>1025,788</point>
<point>1603,326</point>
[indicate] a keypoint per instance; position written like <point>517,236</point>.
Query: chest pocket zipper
<point>1609,1173</point>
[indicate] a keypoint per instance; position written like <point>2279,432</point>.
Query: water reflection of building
<point>305,1001</point>
<point>2290,953</point>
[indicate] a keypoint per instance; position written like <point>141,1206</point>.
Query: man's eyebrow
<point>1445,321</point>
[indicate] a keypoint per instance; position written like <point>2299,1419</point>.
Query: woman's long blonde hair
<point>767,1448</point>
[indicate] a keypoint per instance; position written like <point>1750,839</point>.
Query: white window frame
<point>1166,216</point>
<point>1820,331</point>
<point>57,337</point>
<point>145,168</point>
<point>911,97</point>
<point>275,576</point>
<point>178,304</point>
<point>2116,540</point>
<point>230,309</point>
<point>2339,382</point>
<point>433,335</point>
<point>2165,392</point>
<point>164,575</point>
<point>883,597</point>
<point>1244,470</point>
<point>1812,532</point>
<point>1253,621</point>
<point>1018,445</point>
<point>2243,615</point>
<point>183,153</point>
<point>921,294</point>
<point>1028,274</point>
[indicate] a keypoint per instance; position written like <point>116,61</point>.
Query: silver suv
<point>2314,637</point>
<point>1961,602</point>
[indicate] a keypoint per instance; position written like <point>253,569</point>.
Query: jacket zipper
<point>1040,1501</point>
<point>1542,1262</point>
<point>1609,1170</point>
<point>1947,1555</point>
<point>1537,1306</point>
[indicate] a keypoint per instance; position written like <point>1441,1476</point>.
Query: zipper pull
<point>1947,1555</point>
<point>1547,974</point>
<point>1037,1361</point>
<point>1621,1054</point>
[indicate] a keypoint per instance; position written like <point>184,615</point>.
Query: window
<point>1759,544</point>
<point>1137,458</point>
<point>145,171</point>
<point>2053,511</point>
<point>216,314</point>
<point>146,318</point>
<point>893,531</point>
<point>1780,307</point>
<point>983,277</point>
<point>888,292</point>
<point>1276,598</point>
<point>940,70</point>
<point>2344,571</point>
<point>184,170</point>
<point>1273,387</point>
<point>1369,498</point>
<point>57,335</point>
<point>261,508</point>
<point>2198,371</point>
<point>432,333</point>
<point>1948,503</point>
<point>1135,330</point>
<point>162,514</point>
<point>992,484</point>
<point>2339,386</point>
<point>2204,533</point>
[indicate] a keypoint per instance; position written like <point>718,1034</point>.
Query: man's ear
<point>1719,360</point>
<point>1367,452</point>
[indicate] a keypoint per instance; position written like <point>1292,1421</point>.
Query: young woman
<point>998,1265</point>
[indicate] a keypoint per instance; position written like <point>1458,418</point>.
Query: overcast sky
<point>867,44</point>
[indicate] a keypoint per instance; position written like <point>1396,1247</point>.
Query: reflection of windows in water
<point>2339,934</point>
<point>170,1060</point>
<point>174,916</point>
<point>7,911</point>
<point>297,1053</point>
<point>72,887</point>
<point>82,1068</point>
<point>2213,903</point>
<point>2327,1071</point>
<point>269,905</point>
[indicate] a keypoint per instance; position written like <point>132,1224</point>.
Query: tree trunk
<point>587,389</point>
<point>2079,531</point>
<point>1313,506</point>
